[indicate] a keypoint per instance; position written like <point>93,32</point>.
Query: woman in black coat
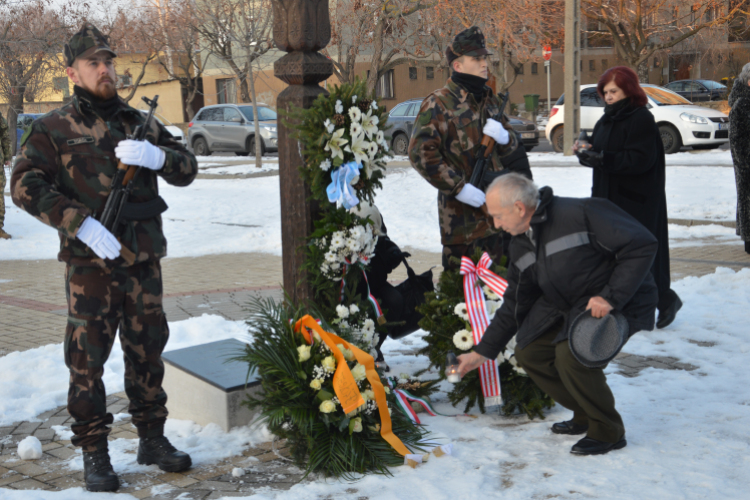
<point>739,144</point>
<point>627,157</point>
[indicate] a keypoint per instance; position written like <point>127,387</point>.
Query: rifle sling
<point>144,210</point>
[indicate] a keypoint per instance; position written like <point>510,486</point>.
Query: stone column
<point>572,75</point>
<point>301,28</point>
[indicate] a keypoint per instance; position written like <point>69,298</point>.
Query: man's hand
<point>98,239</point>
<point>471,196</point>
<point>495,129</point>
<point>599,307</point>
<point>468,362</point>
<point>141,153</point>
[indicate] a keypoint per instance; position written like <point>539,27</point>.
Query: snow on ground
<point>686,430</point>
<point>213,216</point>
<point>235,165</point>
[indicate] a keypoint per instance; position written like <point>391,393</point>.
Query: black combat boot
<point>98,472</point>
<point>159,451</point>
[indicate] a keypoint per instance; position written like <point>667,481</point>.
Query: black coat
<point>582,248</point>
<point>739,144</point>
<point>632,176</point>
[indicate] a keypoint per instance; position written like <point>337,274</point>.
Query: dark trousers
<point>583,390</point>
<point>99,302</point>
<point>495,245</point>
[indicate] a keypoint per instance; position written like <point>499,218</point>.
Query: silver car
<point>229,127</point>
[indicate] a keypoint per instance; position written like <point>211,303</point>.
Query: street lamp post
<point>572,72</point>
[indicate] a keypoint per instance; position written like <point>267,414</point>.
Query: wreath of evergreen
<point>445,328</point>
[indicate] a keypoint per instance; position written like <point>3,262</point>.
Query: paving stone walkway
<point>33,314</point>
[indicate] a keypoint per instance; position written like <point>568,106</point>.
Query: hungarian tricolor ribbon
<point>370,297</point>
<point>345,386</point>
<point>404,399</point>
<point>479,319</point>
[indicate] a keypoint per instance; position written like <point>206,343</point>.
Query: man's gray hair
<point>515,187</point>
<point>744,74</point>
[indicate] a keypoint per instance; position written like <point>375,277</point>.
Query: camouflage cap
<point>470,42</point>
<point>87,38</point>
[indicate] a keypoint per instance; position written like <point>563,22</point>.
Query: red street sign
<point>546,52</point>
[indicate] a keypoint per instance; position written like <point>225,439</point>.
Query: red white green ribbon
<point>479,319</point>
<point>404,398</point>
<point>370,297</point>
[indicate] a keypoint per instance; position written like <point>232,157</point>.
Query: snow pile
<point>30,448</point>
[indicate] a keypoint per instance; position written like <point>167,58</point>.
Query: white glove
<point>494,129</point>
<point>471,196</point>
<point>102,242</point>
<point>141,153</point>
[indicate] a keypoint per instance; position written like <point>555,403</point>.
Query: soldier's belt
<point>144,210</point>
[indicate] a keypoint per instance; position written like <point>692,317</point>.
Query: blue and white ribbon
<point>340,189</point>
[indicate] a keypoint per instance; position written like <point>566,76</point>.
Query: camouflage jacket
<point>5,154</point>
<point>446,138</point>
<point>65,168</point>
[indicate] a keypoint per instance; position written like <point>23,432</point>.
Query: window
<point>124,81</point>
<point>590,97</point>
<point>519,69</point>
<point>400,110</point>
<point>412,73</point>
<point>413,109</point>
<point>231,115</point>
<point>430,72</point>
<point>226,91</point>
<point>592,65</point>
<point>534,68</point>
<point>384,89</point>
<point>264,113</point>
<point>676,86</point>
<point>62,85</point>
<point>211,115</point>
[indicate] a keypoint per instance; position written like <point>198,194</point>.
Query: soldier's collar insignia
<point>86,139</point>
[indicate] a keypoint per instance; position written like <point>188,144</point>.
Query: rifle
<point>488,143</point>
<point>122,184</point>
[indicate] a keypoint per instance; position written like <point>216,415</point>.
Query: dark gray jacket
<point>583,247</point>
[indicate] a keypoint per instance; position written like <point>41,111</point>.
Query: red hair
<point>627,80</point>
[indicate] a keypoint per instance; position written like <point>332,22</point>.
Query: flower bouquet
<point>446,320</point>
<point>323,394</point>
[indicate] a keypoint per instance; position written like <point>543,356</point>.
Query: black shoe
<point>159,451</point>
<point>667,315</point>
<point>591,446</point>
<point>98,472</point>
<point>747,247</point>
<point>569,427</point>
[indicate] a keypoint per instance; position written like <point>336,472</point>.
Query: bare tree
<point>639,28</point>
<point>31,37</point>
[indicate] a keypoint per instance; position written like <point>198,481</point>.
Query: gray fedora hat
<point>596,341</point>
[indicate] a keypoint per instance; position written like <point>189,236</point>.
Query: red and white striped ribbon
<point>479,319</point>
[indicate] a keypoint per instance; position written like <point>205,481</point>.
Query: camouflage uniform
<point>63,174</point>
<point>444,144</point>
<point>5,155</point>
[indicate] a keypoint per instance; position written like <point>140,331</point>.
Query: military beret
<point>87,38</point>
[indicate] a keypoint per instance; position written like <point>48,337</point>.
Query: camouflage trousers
<point>101,301</point>
<point>496,245</point>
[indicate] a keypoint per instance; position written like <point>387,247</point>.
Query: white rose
<point>329,364</point>
<point>370,395</point>
<point>304,352</point>
<point>316,384</point>
<point>357,424</point>
<point>327,406</point>
<point>403,376</point>
<point>342,311</point>
<point>359,372</point>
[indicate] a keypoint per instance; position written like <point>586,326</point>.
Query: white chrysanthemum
<point>337,240</point>
<point>330,127</point>
<point>325,268</point>
<point>367,338</point>
<point>463,340</point>
<point>342,311</point>
<point>330,257</point>
<point>372,150</point>
<point>461,312</point>
<point>339,107</point>
<point>355,114</point>
<point>352,244</point>
<point>380,137</point>
<point>355,129</point>
<point>368,325</point>
<point>344,323</point>
<point>357,232</point>
<point>353,309</point>
<point>325,165</point>
<point>489,293</point>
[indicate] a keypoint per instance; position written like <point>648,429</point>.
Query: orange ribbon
<point>344,384</point>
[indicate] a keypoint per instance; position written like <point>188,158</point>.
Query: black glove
<point>590,158</point>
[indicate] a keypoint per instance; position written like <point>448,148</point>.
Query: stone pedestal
<point>203,386</point>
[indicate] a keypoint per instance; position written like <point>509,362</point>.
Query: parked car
<point>23,121</point>
<point>698,90</point>
<point>176,132</point>
<point>680,122</point>
<point>526,130</point>
<point>229,127</point>
<point>402,117</point>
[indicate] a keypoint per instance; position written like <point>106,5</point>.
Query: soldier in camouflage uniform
<point>445,142</point>
<point>5,157</point>
<point>63,177</point>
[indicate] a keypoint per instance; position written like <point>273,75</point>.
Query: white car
<point>176,132</point>
<point>680,122</point>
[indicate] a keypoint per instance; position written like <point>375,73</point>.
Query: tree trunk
<point>256,123</point>
<point>643,72</point>
<point>377,49</point>
<point>15,108</point>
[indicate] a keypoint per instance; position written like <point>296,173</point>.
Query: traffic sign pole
<point>547,54</point>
